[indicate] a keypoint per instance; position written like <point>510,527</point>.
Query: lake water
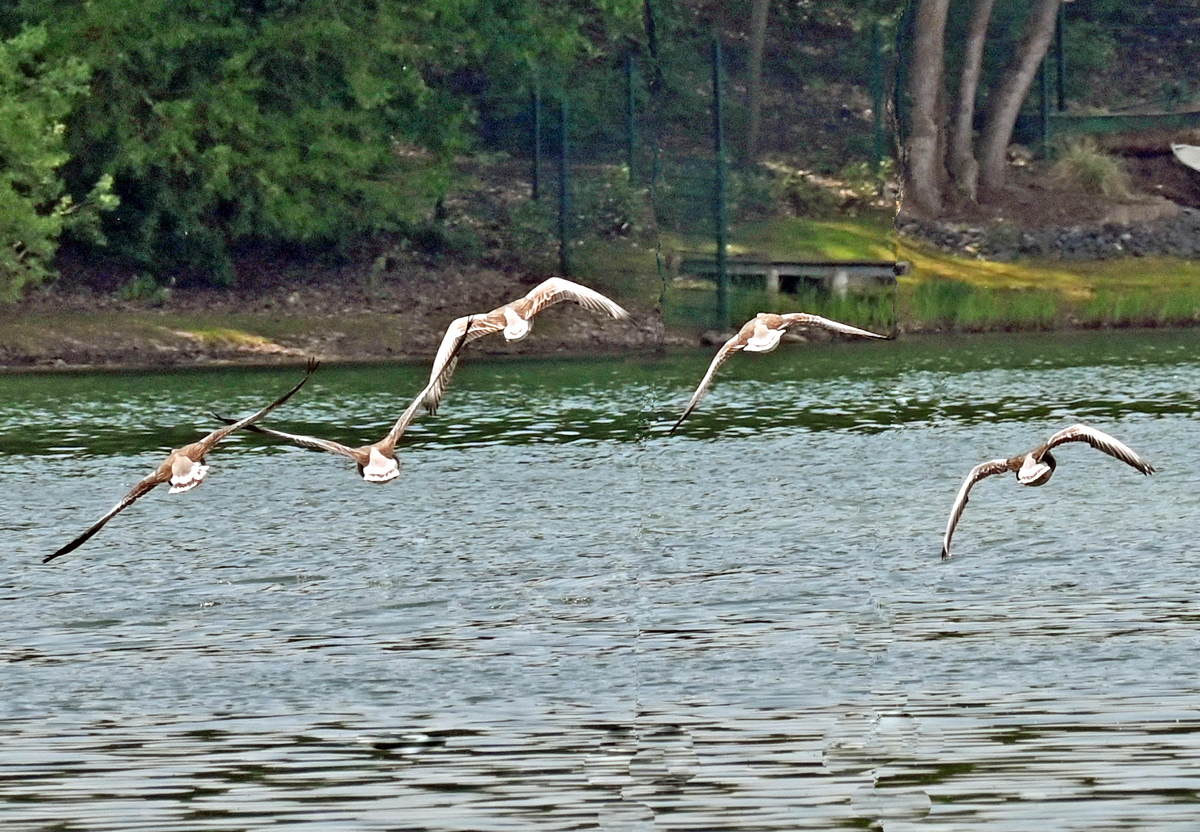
<point>562,618</point>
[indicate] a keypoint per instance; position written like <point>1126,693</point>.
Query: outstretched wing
<point>437,385</point>
<point>986,469</point>
<point>461,331</point>
<point>313,442</point>
<point>556,289</point>
<point>217,435</point>
<point>157,478</point>
<point>1102,442</point>
<point>792,319</point>
<point>731,346</point>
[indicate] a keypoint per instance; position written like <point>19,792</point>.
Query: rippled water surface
<point>561,617</point>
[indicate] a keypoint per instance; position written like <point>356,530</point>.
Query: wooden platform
<point>791,276</point>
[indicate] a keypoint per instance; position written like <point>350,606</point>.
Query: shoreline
<point>133,359</point>
<point>279,317</point>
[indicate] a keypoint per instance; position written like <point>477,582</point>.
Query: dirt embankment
<point>281,316</point>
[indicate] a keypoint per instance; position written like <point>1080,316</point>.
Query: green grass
<point>943,291</point>
<point>958,292</point>
<point>868,237</point>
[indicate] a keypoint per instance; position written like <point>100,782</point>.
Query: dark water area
<point>560,617</point>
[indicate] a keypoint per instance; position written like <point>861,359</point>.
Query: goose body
<point>514,320</point>
<point>1035,467</point>
<point>183,468</point>
<point>762,333</point>
<point>377,461</point>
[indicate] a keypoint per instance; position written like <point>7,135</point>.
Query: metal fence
<point>649,151</point>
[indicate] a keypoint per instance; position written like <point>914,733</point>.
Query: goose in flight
<point>183,468</point>
<point>1035,467</point>
<point>762,333</point>
<point>376,462</point>
<point>514,319</point>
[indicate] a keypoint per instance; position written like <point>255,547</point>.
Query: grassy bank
<point>402,315</point>
<point>950,292</point>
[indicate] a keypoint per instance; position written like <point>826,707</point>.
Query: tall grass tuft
<point>937,301</point>
<point>942,302</point>
<point>1084,166</point>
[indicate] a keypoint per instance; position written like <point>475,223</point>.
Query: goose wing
<point>217,435</point>
<point>1100,441</point>
<point>437,384</point>
<point>985,469</point>
<point>734,344</point>
<point>144,487</point>
<point>314,442</point>
<point>556,289</point>
<point>460,332</point>
<point>792,319</point>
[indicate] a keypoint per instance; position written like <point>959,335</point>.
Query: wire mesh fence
<point>651,150</point>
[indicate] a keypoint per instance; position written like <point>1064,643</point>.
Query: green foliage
<point>939,300</point>
<point>142,287</point>
<point>314,123</point>
<point>751,193</point>
<point>804,197</point>
<point>35,207</point>
<point>960,305</point>
<point>607,205</point>
<point>1116,307</point>
<point>223,126</point>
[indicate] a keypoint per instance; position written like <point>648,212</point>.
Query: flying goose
<point>376,462</point>
<point>183,468</point>
<point>762,333</point>
<point>514,319</point>
<point>1035,467</point>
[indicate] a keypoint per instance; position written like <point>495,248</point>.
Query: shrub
<point>35,207</point>
<point>317,124</point>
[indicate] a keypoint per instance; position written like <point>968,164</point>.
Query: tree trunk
<point>1004,104</point>
<point>924,172</point>
<point>963,167</point>
<point>655,83</point>
<point>754,85</point>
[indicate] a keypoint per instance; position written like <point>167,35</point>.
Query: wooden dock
<point>838,277</point>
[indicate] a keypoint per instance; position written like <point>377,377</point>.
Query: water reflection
<point>559,617</point>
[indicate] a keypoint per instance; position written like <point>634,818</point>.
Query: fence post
<point>537,141</point>
<point>719,189</point>
<point>564,194</point>
<point>630,125</point>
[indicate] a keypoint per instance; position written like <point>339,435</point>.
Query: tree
<point>1004,103</point>
<point>754,68</point>
<point>926,171</point>
<point>35,206</point>
<point>963,167</point>
<point>234,122</point>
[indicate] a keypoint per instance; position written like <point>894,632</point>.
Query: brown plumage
<point>184,467</point>
<point>762,333</point>
<point>1035,467</point>
<point>514,319</point>
<point>377,461</point>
